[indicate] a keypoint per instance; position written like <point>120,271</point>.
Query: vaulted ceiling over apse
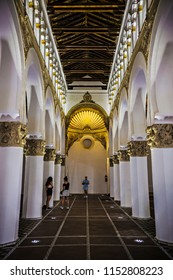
<point>86,33</point>
<point>87,118</point>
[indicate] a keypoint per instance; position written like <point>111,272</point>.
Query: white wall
<point>87,162</point>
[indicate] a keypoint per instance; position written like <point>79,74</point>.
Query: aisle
<point>96,228</point>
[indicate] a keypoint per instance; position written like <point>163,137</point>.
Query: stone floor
<point>96,228</point>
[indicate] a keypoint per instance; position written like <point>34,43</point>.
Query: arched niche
<point>58,130</point>
<point>138,98</point>
<point>110,138</point>
<point>49,119</point>
<point>115,131</point>
<point>123,119</point>
<point>11,64</point>
<point>34,96</point>
<point>161,62</point>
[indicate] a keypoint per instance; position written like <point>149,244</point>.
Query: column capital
<point>58,159</point>
<point>35,147</point>
<point>50,154</point>
<point>12,134</point>
<point>116,159</point>
<point>123,155</point>
<point>160,135</point>
<point>138,148</point>
<point>111,161</point>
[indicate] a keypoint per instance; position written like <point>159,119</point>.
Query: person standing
<point>65,194</point>
<point>85,184</point>
<point>49,190</point>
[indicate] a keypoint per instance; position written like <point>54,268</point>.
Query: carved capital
<point>12,134</point>
<point>138,148</point>
<point>123,155</point>
<point>35,147</point>
<point>111,161</point>
<point>160,135</point>
<point>58,159</point>
<point>62,160</point>
<point>116,159</point>
<point>50,155</point>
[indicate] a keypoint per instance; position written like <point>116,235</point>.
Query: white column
<point>111,176</point>
<point>11,155</point>
<point>161,142</point>
<point>125,185</point>
<point>63,170</point>
<point>139,187</point>
<point>33,183</point>
<point>116,179</point>
<point>49,170</point>
<point>139,179</point>
<point>162,163</point>
<point>57,180</point>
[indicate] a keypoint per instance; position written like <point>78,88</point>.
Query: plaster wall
<point>87,162</point>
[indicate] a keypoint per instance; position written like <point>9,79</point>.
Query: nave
<point>96,228</point>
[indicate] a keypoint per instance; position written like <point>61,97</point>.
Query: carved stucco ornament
<point>12,134</point>
<point>50,154</point>
<point>35,147</point>
<point>160,136</point>
<point>138,148</point>
<point>58,159</point>
<point>123,155</point>
<point>116,159</point>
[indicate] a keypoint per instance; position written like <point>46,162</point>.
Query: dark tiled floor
<point>96,228</point>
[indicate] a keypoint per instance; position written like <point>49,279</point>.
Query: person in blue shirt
<point>85,184</point>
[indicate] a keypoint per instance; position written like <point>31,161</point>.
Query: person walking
<point>49,190</point>
<point>65,194</point>
<point>85,184</point>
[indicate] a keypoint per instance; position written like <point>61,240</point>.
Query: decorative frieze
<point>12,134</point>
<point>58,159</point>
<point>123,155</point>
<point>138,148</point>
<point>35,147</point>
<point>50,155</point>
<point>160,135</point>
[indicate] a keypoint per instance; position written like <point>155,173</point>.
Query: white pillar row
<point>11,155</point>
<point>111,176</point>
<point>33,182</point>
<point>116,178</point>
<point>49,170</point>
<point>139,179</point>
<point>160,138</point>
<point>125,185</point>
<point>57,179</point>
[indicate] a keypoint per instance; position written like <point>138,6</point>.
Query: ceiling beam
<point>86,71</point>
<point>86,30</point>
<point>82,47</point>
<point>84,8</point>
<point>77,60</point>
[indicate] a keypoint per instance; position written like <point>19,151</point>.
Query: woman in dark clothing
<point>65,193</point>
<point>49,190</point>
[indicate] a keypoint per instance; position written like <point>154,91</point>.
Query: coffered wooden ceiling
<point>86,33</point>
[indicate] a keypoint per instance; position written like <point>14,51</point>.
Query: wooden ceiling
<point>86,33</point>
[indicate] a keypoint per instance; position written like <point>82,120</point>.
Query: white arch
<point>11,64</point>
<point>137,98</point>
<point>49,119</point>
<point>161,62</point>
<point>34,95</point>
<point>115,130</point>
<point>58,130</point>
<point>123,119</point>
